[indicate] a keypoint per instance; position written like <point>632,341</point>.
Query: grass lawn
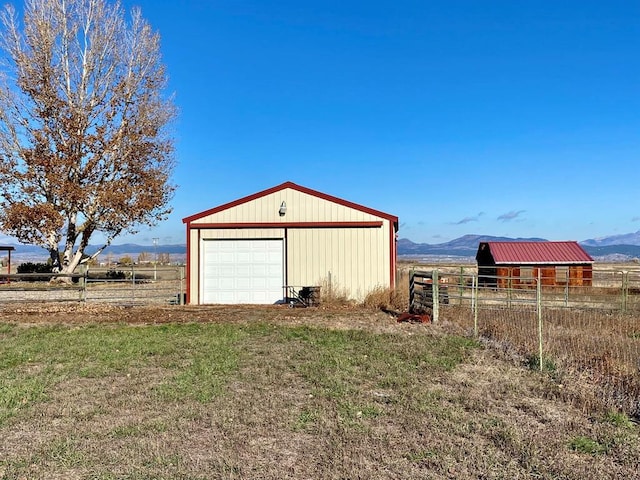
<point>262,399</point>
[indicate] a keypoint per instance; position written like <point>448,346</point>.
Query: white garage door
<point>242,271</point>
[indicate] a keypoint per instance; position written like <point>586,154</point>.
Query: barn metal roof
<point>538,253</point>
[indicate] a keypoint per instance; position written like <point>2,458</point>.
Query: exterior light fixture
<point>283,209</point>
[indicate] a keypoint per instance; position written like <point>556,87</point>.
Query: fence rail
<point>611,290</point>
<point>133,285</point>
<point>590,332</point>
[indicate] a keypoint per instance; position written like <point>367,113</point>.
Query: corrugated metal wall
<point>353,259</point>
<point>301,207</point>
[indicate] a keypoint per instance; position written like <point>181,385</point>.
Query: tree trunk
<point>54,257</point>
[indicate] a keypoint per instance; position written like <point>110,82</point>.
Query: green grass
<point>34,360</point>
<point>199,359</point>
<point>345,366</point>
<point>255,399</point>
<point>618,419</point>
<point>338,362</point>
<point>588,446</point>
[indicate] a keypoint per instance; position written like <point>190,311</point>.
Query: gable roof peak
<point>299,188</point>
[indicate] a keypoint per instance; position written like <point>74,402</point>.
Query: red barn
<point>516,264</point>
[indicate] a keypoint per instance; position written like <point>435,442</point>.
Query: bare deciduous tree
<point>84,146</point>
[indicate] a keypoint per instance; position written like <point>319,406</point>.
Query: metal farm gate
<point>130,285</point>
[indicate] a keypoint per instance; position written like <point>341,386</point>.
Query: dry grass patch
<point>286,393</point>
<point>595,354</point>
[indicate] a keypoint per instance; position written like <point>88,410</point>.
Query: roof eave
<point>577,262</point>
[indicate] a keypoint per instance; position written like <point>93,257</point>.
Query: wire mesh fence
<point>130,285</point>
<point>589,332</point>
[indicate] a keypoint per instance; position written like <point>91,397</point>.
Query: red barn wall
<point>511,277</point>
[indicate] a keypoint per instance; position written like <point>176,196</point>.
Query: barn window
<point>526,274</point>
<point>562,274</point>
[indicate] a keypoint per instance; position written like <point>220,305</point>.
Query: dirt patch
<point>81,313</point>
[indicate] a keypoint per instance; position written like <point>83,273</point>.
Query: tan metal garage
<point>258,248</point>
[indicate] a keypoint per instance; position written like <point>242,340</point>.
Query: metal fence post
<point>436,296</point>
<point>133,284</point>
<point>83,284</point>
<point>182,289</point>
<point>625,290</point>
<point>474,303</point>
<point>539,312</point>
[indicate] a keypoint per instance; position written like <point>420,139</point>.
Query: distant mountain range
<point>604,248</point>
<point>34,253</point>
<point>465,246</point>
<point>612,248</point>
<point>625,239</point>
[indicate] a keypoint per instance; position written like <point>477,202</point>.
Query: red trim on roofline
<point>298,188</point>
<point>559,263</point>
<point>394,257</point>
<point>218,226</point>
<point>188,272</point>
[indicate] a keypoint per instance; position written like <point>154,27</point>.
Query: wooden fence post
<point>412,287</point>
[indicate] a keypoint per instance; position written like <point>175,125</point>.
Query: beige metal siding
<point>350,260</point>
<point>301,207</point>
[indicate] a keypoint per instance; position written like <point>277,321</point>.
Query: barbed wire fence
<point>589,333</point>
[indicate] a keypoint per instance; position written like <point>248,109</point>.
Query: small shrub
<point>332,295</point>
<point>390,298</point>
<point>115,275</point>
<point>31,267</point>
<point>126,260</point>
<point>379,298</point>
<point>548,365</point>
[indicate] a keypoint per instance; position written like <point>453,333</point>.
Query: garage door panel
<point>259,270</point>
<point>242,271</point>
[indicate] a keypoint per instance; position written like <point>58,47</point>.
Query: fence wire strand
<point>589,333</point>
<point>131,285</point>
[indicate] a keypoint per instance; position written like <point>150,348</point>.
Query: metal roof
<point>538,253</point>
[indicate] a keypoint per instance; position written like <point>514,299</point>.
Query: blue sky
<point>516,118</point>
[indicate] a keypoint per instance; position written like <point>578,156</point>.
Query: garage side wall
<point>353,261</point>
